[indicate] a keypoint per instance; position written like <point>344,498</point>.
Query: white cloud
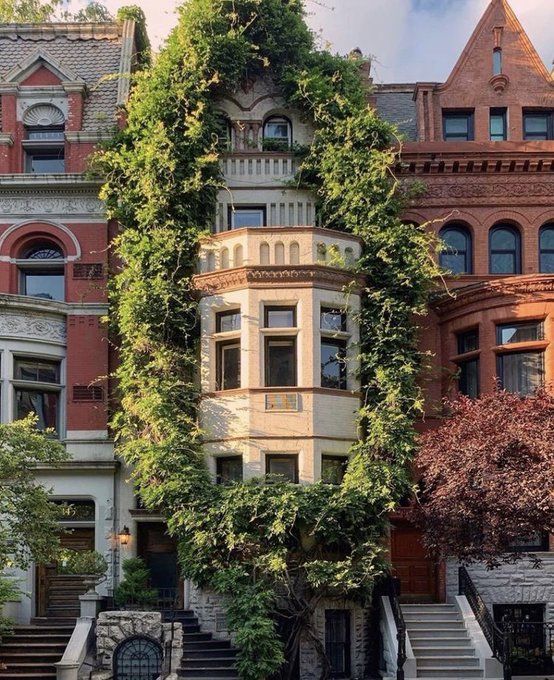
<point>410,39</point>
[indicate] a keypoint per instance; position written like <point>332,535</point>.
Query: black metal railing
<point>391,589</point>
<point>531,647</point>
<point>497,637</point>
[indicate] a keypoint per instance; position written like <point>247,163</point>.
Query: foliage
<point>254,541</point>
<point>93,11</point>
<point>133,589</point>
<point>487,476</point>
<point>22,11</point>
<point>40,11</point>
<point>28,524</point>
<point>9,592</point>
<point>82,562</point>
<point>135,13</point>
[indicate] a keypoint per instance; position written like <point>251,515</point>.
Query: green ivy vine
<point>274,551</point>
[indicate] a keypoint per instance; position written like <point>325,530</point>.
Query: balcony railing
<point>258,168</point>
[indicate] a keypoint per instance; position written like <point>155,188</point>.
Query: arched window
<point>505,250</point>
<point>44,132</point>
<point>137,658</point>
<point>237,256</point>
<point>224,263</point>
<point>277,134</point>
<point>294,253</point>
<point>264,253</point>
<point>41,271</point>
<point>546,264</point>
<point>279,253</point>
<point>321,253</point>
<point>456,256</point>
<point>210,261</point>
<point>224,132</point>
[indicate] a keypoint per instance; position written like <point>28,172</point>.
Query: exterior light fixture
<point>124,535</point>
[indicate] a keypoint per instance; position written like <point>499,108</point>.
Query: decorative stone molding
<point>30,326</point>
<point>499,83</point>
<point>50,204</point>
<point>43,115</point>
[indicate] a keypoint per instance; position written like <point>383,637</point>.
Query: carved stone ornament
<point>49,203</point>
<point>499,83</point>
<point>44,115</point>
<point>29,326</point>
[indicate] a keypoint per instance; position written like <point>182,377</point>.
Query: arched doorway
<point>137,658</point>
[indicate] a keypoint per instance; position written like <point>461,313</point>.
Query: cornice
<point>107,30</point>
<point>523,288</point>
<point>261,231</point>
<point>299,276</point>
<point>28,180</point>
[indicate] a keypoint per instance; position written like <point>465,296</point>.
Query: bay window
<point>280,362</point>
<point>228,365</point>
<point>37,391</point>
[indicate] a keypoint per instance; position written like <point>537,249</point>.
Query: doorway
<point>417,572</point>
<point>159,551</point>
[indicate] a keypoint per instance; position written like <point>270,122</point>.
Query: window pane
<point>337,641</point>
<point>536,125</point>
<point>333,320</point>
<point>547,250</point>
<point>497,62</point>
<point>277,130</point>
<point>468,381</point>
<point>547,263</point>
<point>503,263</point>
<point>45,133</point>
<point>42,404</point>
<point>228,321</point>
<point>522,372</point>
<point>333,469</point>
<point>498,128</point>
<point>247,217</point>
<point>456,125</point>
<point>229,368</point>
<point>503,239</point>
<point>455,264</point>
<point>280,363</point>
<point>229,470</point>
<point>333,365</point>
<point>49,286</point>
<point>520,332</point>
<point>468,341</point>
<point>280,317</point>
<point>37,371</point>
<point>284,466</point>
<point>547,238</point>
<point>46,162</point>
<point>455,256</point>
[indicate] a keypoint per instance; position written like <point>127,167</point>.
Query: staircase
<point>63,596</point>
<point>203,657</point>
<point>30,652</point>
<point>440,642</point>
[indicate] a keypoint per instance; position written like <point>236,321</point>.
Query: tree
<point>93,11</point>
<point>487,476</point>
<point>41,11</point>
<point>28,519</point>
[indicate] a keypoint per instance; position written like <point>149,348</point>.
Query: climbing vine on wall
<point>273,550</point>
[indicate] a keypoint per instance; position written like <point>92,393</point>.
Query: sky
<point>409,40</point>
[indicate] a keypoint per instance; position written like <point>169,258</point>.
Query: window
<point>42,272</point>
<point>284,466</point>
<point>228,321</point>
<point>538,125</point>
<point>546,256</point>
<point>333,469</point>
<point>224,132</point>
<point>280,317</point>
<point>280,362</point>
<point>521,372</point>
<point>332,320</point>
<point>37,391</point>
<point>468,376</point>
<point>277,134</point>
<point>458,126</point>
<point>505,250</point>
<point>337,641</point>
<point>333,364</point>
<point>229,470</point>
<point>456,256</point>
<point>538,542</point>
<point>45,160</point>
<point>247,217</point>
<point>519,332</point>
<point>498,125</point>
<point>228,365</point>
<point>497,61</point>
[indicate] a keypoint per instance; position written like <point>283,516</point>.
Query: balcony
<point>278,246</point>
<point>258,169</point>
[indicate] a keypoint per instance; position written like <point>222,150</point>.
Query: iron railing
<point>497,637</point>
<point>391,588</point>
<point>531,647</point>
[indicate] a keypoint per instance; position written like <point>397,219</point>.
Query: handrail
<point>391,589</point>
<point>498,638</point>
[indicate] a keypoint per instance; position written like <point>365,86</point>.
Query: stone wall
<point>210,610</point>
<point>510,584</point>
<point>112,628</point>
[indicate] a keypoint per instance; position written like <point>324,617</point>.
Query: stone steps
<point>30,652</point>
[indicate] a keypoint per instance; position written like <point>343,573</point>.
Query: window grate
<point>88,393</point>
<point>282,402</point>
<point>88,271</point>
<point>138,658</point>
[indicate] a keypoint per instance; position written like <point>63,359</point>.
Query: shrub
<point>134,590</point>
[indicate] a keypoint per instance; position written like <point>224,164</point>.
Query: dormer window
<point>497,62</point>
<point>44,139</point>
<point>277,134</point>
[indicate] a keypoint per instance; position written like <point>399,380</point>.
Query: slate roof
<point>92,52</point>
<point>395,103</point>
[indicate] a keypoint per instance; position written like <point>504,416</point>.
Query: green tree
<point>253,541</point>
<point>133,589</point>
<point>28,519</point>
<point>93,11</point>
<point>47,11</point>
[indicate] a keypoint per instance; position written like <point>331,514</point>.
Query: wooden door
<point>58,595</point>
<point>159,550</point>
<point>411,564</point>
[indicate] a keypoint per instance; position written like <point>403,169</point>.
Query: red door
<point>411,564</point>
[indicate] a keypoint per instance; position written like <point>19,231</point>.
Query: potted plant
<point>134,591</point>
<point>89,564</point>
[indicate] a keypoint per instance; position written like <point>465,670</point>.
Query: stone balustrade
<point>258,169</point>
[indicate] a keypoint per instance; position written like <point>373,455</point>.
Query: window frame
<point>533,136</point>
<point>517,252</point>
<point>501,358</point>
<point>221,347</point>
<point>293,457</point>
<point>337,311</point>
<point>280,308</point>
<point>286,145</point>
<point>42,387</point>
<point>226,459</point>
<point>219,316</point>
<point>336,458</point>
<point>342,362</point>
<point>468,253</point>
<point>346,616</point>
<point>549,226</point>
<point>449,114</point>
<point>538,323</point>
<point>499,112</point>
<point>278,338</point>
<point>232,211</point>
<point>497,65</point>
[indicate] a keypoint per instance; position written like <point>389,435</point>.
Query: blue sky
<point>409,39</point>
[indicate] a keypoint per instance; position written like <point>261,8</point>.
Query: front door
<point>58,594</point>
<point>159,550</point>
<point>416,571</point>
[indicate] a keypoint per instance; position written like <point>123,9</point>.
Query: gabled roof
<point>499,13</point>
<point>34,61</point>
